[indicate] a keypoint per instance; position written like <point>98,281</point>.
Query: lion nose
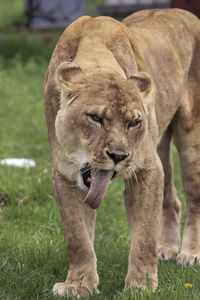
<point>117,157</point>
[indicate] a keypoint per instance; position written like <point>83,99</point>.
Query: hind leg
<point>170,232</point>
<point>188,145</point>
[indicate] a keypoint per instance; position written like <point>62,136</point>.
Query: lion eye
<point>135,123</point>
<point>96,119</point>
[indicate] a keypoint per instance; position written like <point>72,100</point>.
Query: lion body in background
<point>115,95</point>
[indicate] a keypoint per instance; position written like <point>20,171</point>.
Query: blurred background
<point>48,14</point>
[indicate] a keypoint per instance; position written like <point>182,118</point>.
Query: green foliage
<point>10,11</point>
<point>32,246</point>
<point>92,7</point>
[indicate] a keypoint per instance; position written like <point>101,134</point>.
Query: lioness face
<point>100,124</point>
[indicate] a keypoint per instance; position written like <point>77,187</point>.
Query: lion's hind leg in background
<point>188,145</point>
<point>187,140</point>
<point>169,240</point>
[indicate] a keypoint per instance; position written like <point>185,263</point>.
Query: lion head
<point>101,123</point>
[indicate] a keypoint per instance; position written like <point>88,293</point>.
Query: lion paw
<point>142,284</point>
<point>167,253</point>
<point>83,288</point>
<point>63,289</point>
<point>188,259</point>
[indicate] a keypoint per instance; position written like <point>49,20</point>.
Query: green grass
<point>32,247</point>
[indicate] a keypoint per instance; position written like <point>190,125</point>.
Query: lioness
<point>112,91</point>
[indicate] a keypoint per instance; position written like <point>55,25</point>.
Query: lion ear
<point>68,74</point>
<point>143,82</point>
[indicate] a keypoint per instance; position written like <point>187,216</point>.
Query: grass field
<point>32,248</point>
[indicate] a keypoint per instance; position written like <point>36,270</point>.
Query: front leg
<point>143,200</point>
<point>78,220</point>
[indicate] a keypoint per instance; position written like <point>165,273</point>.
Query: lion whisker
<point>129,172</point>
<point>87,169</point>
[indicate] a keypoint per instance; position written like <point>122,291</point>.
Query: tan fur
<point>145,67</point>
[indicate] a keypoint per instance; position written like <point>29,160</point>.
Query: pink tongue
<point>100,180</point>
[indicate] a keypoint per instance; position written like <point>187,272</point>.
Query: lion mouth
<point>86,175</point>
<point>97,181</point>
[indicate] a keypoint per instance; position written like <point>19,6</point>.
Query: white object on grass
<point>18,162</point>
